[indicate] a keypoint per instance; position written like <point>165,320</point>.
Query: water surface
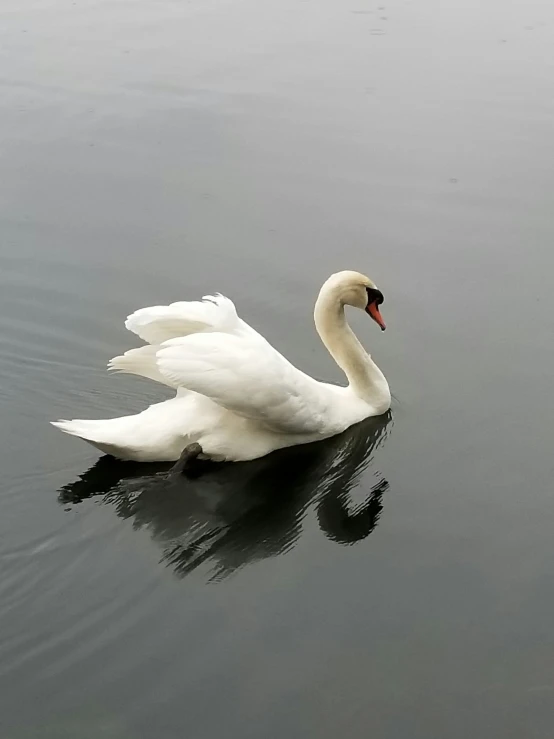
<point>393,582</point>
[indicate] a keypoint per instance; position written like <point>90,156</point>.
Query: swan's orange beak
<point>373,310</point>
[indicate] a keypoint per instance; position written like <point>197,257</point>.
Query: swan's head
<point>354,288</point>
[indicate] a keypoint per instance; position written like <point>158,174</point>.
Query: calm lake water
<point>393,583</point>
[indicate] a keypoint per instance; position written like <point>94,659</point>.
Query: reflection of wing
<point>248,376</point>
<point>235,515</point>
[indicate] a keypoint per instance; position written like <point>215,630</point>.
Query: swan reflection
<point>236,514</point>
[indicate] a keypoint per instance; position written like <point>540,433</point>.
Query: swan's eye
<point>374,296</point>
<point>374,300</point>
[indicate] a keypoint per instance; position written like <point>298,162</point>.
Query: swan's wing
<point>160,323</point>
<point>248,377</point>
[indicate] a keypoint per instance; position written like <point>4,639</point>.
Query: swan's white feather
<point>237,396</point>
<point>141,362</point>
<point>249,378</point>
<point>162,322</point>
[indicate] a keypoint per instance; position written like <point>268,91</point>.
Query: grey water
<point>394,582</point>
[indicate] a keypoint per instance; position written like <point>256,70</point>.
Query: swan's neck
<point>364,377</point>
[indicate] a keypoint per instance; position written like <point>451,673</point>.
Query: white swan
<point>237,397</point>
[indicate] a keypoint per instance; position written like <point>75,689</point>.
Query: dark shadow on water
<point>232,515</point>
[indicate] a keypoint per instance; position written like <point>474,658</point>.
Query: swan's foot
<point>188,455</point>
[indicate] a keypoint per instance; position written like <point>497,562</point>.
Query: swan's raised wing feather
<point>248,377</point>
<point>160,323</point>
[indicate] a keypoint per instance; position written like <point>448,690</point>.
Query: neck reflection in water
<point>226,516</point>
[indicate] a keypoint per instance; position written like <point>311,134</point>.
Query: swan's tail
<point>101,434</point>
<point>88,430</point>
